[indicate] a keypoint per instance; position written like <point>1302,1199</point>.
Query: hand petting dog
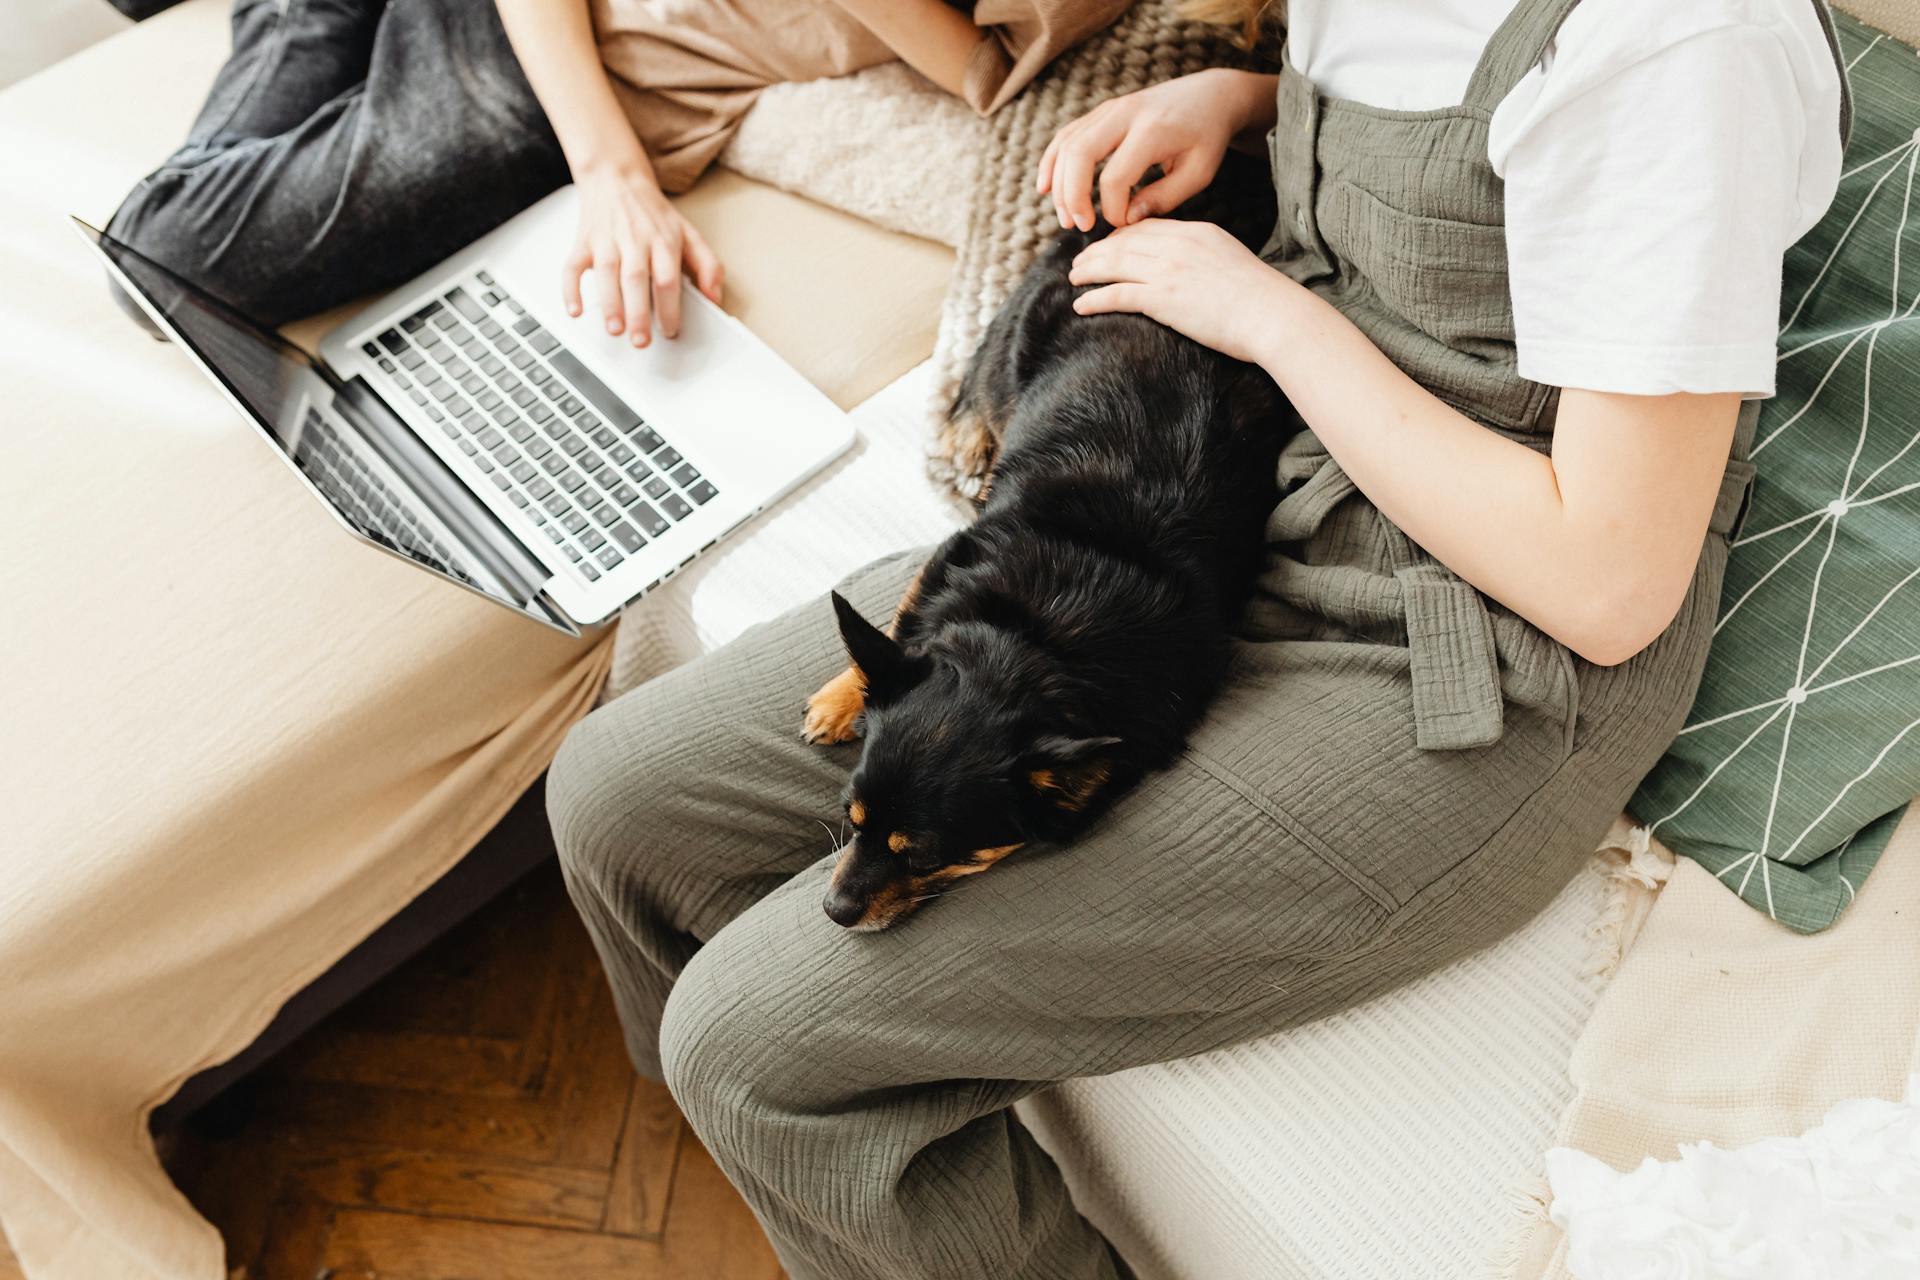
<point>1193,277</point>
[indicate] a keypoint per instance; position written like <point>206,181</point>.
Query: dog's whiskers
<point>838,842</point>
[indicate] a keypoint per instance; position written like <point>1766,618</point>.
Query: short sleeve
<point>1657,166</point>
<point>1020,37</point>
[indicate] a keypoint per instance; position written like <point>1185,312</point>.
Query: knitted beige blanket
<point>1007,223</point>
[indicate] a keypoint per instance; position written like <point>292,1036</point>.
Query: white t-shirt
<point>1658,163</point>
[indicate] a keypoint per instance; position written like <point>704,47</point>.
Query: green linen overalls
<point>1399,773</point>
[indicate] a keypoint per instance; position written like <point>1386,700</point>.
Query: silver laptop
<point>466,423</point>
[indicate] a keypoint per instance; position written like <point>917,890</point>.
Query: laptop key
<point>607,404</point>
<point>392,341</point>
<point>489,399</point>
<point>520,359</point>
<point>523,471</point>
<point>411,359</point>
<point>557,505</point>
<point>465,305</point>
<point>621,453</point>
<point>676,506</point>
<point>542,341</point>
<point>520,432</point>
<point>604,437</point>
<point>625,495</point>
<point>592,574</point>
<point>609,557</point>
<point>490,327</point>
<point>540,488</point>
<point>554,535</point>
<point>519,499</point>
<point>554,464</point>
<point>666,459</point>
<point>444,320</point>
<point>525,325</point>
<point>574,521</point>
<point>628,537</point>
<point>372,351</point>
<point>573,446</point>
<point>537,448</point>
<point>684,474</point>
<point>701,492</point>
<point>592,540</point>
<point>648,440</point>
<point>650,520</point>
<point>604,515</point>
<point>501,482</point>
<point>571,405</point>
<point>489,438</point>
<point>492,365</point>
<point>522,397</point>
<point>572,481</point>
<point>539,412</point>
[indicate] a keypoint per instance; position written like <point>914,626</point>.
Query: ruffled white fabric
<point>1840,1202</point>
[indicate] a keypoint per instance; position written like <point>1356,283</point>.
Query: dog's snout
<point>843,908</point>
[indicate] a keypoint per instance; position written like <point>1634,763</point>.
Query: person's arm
<point>631,237</point>
<point>1594,544</point>
<point>930,36</point>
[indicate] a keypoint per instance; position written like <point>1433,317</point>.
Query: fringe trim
<point>1635,866</point>
<point>1528,1207</point>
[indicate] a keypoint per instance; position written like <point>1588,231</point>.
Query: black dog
<point>1065,644</point>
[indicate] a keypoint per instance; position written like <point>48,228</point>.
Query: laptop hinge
<point>480,532</point>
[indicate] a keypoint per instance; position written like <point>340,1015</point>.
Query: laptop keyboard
<point>364,495</point>
<point>598,480</point>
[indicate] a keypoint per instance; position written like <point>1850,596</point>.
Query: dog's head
<point>955,775</point>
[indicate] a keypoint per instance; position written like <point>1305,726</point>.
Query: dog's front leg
<point>835,707</point>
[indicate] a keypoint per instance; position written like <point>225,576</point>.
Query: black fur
<point>1066,643</point>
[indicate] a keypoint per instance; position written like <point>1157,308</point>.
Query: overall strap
<point>1514,48</point>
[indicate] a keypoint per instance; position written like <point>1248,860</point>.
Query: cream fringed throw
<point>1007,223</point>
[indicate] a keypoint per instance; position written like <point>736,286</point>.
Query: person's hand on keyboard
<point>636,245</point>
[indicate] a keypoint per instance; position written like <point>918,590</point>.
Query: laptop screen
<point>283,391</point>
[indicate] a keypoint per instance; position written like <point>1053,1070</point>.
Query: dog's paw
<point>833,711</point>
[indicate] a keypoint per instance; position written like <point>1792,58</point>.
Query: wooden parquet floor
<point>473,1117</point>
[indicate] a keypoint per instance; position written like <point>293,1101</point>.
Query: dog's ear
<point>1069,772</point>
<point>885,668</point>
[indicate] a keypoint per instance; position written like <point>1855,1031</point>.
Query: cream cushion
<point>235,740</point>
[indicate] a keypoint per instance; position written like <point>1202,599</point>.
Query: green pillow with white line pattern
<point>1803,746</point>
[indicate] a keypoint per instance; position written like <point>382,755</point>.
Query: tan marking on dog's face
<point>899,842</point>
<point>857,812</point>
<point>900,899</point>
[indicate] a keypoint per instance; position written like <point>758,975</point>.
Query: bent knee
<point>730,1049</point>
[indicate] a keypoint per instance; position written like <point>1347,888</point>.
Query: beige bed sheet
<point>234,741</point>
<point>1726,1027</point>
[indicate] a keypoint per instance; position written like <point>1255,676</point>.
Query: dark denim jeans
<point>347,145</point>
